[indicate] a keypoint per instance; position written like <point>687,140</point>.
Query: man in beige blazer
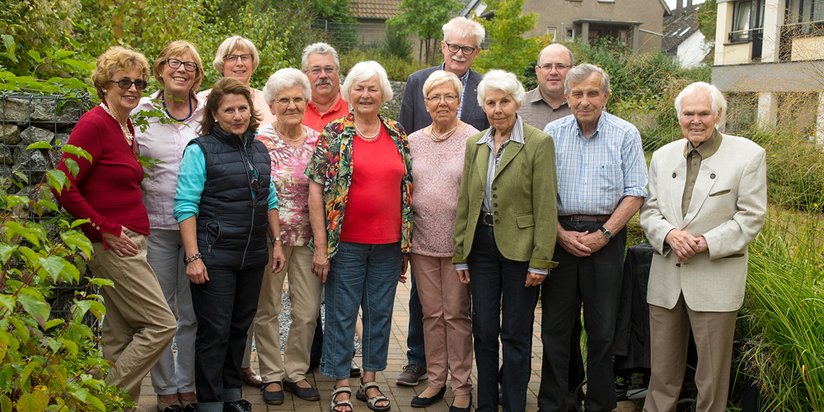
<point>707,201</point>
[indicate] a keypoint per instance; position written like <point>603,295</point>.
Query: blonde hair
<point>231,44</point>
<point>117,58</point>
<point>178,48</point>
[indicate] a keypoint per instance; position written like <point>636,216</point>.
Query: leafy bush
<point>49,362</point>
<point>396,68</point>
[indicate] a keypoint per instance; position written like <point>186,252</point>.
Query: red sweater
<point>107,190</point>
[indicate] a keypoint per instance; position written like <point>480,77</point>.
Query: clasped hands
<point>685,245</point>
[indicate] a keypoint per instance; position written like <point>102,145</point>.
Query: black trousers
<point>501,306</point>
<point>596,281</point>
<point>225,307</point>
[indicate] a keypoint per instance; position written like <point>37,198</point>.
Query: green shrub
<point>49,362</point>
<point>396,68</point>
<point>795,169</point>
<point>782,321</point>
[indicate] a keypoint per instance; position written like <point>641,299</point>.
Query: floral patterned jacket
<point>331,167</point>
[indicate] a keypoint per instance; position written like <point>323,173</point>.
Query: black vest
<point>232,220</point>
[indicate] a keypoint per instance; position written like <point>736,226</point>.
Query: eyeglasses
<point>126,84</point>
<point>234,57</point>
<point>442,98</point>
<point>556,66</point>
<point>175,64</point>
<point>315,71</point>
<point>453,48</point>
<point>285,101</point>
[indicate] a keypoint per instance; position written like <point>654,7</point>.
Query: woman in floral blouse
<point>359,206</point>
<point>290,146</point>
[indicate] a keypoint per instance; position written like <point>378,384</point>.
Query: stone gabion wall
<point>31,118</point>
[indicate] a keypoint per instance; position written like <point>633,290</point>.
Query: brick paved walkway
<point>400,396</point>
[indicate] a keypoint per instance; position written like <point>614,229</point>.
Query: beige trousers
<point>305,295</point>
<point>669,340</point>
<point>447,327</point>
<point>138,326</point>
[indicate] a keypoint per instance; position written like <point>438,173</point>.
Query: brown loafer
<point>253,380</point>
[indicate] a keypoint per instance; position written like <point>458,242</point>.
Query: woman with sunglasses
<point>178,70</point>
<point>105,189</point>
<point>226,205</point>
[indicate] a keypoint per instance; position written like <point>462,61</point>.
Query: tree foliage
<point>508,49</point>
<point>424,18</point>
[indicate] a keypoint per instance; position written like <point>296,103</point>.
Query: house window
<point>811,10</point>
<point>570,34</point>
<point>747,20</point>
<point>552,31</point>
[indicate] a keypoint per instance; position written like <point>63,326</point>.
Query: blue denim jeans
<point>364,276</point>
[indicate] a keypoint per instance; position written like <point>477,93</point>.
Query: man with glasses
<point>320,63</point>
<point>460,46</point>
<point>546,102</point>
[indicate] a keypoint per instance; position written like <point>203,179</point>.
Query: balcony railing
<point>746,35</point>
<point>797,31</point>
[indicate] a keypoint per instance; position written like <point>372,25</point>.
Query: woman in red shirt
<point>106,190</point>
<point>361,166</point>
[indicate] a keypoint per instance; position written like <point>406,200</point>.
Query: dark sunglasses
<point>126,84</point>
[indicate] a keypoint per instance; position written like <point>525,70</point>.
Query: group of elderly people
<point>243,193</point>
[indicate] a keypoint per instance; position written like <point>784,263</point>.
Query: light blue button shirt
<point>595,173</point>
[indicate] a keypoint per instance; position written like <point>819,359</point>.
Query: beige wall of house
<point>559,16</point>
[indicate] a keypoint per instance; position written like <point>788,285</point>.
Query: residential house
<point>637,23</point>
<point>769,57</point>
<point>682,39</point>
<point>372,16</point>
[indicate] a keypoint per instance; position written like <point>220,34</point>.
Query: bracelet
<point>190,259</point>
<point>273,241</point>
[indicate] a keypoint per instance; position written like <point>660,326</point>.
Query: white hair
<point>439,77</point>
<point>364,71</point>
<point>503,81</point>
<point>463,27</point>
<point>318,48</point>
<point>284,79</point>
<point>719,103</point>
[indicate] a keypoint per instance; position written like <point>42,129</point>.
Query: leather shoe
<point>418,402</point>
<point>240,405</point>
<point>253,380</point>
<point>307,394</point>
<point>273,397</point>
<point>453,408</point>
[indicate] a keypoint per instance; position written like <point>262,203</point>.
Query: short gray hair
<point>365,71</point>
<point>504,81</point>
<point>318,48</point>
<point>439,77</point>
<point>719,103</point>
<point>231,44</point>
<point>284,79</point>
<point>582,72</point>
<point>463,27</point>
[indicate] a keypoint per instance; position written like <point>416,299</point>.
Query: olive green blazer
<point>524,199</point>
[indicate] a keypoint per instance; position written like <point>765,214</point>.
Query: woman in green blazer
<point>505,237</point>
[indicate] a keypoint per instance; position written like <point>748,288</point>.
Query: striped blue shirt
<point>595,173</point>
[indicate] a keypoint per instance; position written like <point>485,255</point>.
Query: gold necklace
<point>439,138</point>
<point>126,133</point>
